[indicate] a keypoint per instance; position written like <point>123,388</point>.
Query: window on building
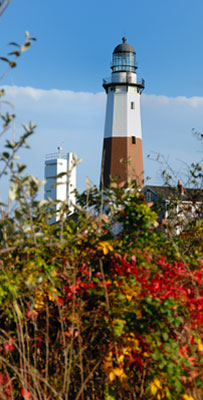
<point>133,140</point>
<point>132,105</point>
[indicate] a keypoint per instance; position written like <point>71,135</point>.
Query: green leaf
<point>21,168</point>
<point>168,394</point>
<point>178,386</point>
<point>110,397</point>
<point>118,328</point>
<point>165,336</point>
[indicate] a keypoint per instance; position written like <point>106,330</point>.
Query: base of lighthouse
<point>122,161</point>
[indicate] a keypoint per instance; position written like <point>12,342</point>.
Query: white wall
<point>121,120</point>
<point>60,188</point>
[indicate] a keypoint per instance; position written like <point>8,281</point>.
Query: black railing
<point>127,79</point>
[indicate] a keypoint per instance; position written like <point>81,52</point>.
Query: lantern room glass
<point>125,61</point>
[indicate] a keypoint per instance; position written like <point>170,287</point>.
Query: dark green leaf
<point>6,155</point>
<point>15,52</point>
<point>4,59</point>
<point>14,44</point>
<point>12,64</point>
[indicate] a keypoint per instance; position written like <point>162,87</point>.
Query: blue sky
<point>75,40</point>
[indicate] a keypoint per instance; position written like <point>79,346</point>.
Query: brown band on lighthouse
<point>122,160</point>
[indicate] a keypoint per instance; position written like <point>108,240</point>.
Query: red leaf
<point>60,301</point>
<point>8,346</point>
<point>25,393</point>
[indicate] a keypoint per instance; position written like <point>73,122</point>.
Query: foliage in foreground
<point>102,306</point>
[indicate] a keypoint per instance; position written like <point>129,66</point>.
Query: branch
<point>3,5</point>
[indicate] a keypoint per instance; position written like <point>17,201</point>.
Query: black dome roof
<point>124,47</point>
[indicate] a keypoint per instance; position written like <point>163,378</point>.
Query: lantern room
<point>124,58</point>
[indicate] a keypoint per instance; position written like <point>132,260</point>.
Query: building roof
<point>124,47</point>
<point>179,192</point>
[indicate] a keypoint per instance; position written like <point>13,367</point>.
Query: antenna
<point>60,150</point>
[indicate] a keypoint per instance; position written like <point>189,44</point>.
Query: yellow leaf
<point>39,302</point>
<point>25,46</point>
<point>39,305</point>
<point>111,376</point>
<point>157,383</point>
<point>127,351</point>
<point>153,389</point>
<point>155,386</point>
<point>105,247</point>
<point>52,295</point>
<point>145,354</point>
<point>88,182</point>
<point>121,358</point>
<point>107,364</point>
<point>186,397</point>
<point>200,345</point>
<point>105,250</point>
<point>118,371</point>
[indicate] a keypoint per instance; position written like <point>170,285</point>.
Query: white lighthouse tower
<point>122,157</point>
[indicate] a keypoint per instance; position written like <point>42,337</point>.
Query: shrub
<point>101,306</point>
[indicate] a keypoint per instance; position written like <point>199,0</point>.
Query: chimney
<point>180,188</point>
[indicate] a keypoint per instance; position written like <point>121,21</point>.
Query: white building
<point>60,175</point>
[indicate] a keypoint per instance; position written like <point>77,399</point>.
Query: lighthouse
<point>122,158</point>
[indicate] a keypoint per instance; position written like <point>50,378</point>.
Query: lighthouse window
<point>132,105</point>
<point>124,61</point>
<point>133,140</point>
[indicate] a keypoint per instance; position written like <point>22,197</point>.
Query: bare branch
<point>3,5</point>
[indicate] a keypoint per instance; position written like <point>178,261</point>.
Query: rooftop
<point>124,47</point>
<point>179,192</point>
